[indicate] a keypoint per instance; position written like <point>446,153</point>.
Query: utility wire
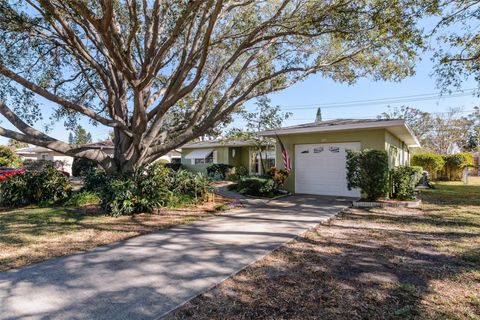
<point>398,99</point>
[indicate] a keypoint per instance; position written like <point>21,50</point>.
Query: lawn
<point>30,235</point>
<point>378,264</point>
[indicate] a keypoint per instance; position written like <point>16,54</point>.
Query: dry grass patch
<point>377,264</point>
<point>30,235</point>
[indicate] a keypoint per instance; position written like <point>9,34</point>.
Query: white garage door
<point>320,169</point>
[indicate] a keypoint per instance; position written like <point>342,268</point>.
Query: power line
<point>390,100</point>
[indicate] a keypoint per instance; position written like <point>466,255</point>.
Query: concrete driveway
<point>148,276</point>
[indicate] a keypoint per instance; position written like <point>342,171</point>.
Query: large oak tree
<point>163,72</point>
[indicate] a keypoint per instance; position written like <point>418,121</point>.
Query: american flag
<point>286,159</point>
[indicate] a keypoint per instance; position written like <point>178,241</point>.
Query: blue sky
<point>318,91</point>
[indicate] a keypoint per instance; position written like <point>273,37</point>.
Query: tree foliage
<point>8,158</point>
<point>79,136</point>
<point>457,51</point>
<point>417,120</point>
<point>264,117</point>
<point>438,132</point>
<point>17,144</point>
<point>162,73</point>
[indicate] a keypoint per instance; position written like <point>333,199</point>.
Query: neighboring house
<point>198,156</point>
<point>64,163</point>
<point>318,151</point>
<point>61,162</point>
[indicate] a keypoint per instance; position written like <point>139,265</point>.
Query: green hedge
<point>368,170</point>
<point>404,179</point>
<point>454,166</point>
<point>429,161</point>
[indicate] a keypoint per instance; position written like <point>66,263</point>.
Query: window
<point>202,156</point>
<point>206,160</point>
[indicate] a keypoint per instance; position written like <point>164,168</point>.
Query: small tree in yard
<point>265,117</point>
<point>429,161</point>
<point>8,157</point>
<point>162,73</point>
<point>368,170</point>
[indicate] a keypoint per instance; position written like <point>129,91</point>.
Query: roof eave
<point>409,136</point>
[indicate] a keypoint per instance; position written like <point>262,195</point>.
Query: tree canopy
<point>161,73</point>
<point>79,136</point>
<point>458,47</point>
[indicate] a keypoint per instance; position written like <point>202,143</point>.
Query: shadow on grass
<point>364,265</point>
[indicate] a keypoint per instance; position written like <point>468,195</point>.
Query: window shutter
<point>215,156</point>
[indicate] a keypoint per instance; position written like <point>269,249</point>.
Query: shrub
<point>145,190</point>
<point>454,165</point>
<point>404,180</point>
<point>429,161</point>
<point>8,158</point>
<point>96,180</point>
<point>34,187</point>
<point>141,191</point>
<point>368,170</point>
<point>254,186</point>
<point>83,198</point>
<point>218,170</point>
<point>175,166</point>
<point>278,176</point>
<point>237,173</point>
<point>81,167</point>
<point>191,184</point>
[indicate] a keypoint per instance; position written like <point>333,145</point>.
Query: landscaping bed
<point>382,263</point>
<point>32,234</point>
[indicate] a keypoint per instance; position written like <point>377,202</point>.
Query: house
<point>318,151</point>
<point>61,161</point>
<point>64,163</point>
<point>197,156</point>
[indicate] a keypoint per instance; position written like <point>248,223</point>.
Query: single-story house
<point>197,156</point>
<point>61,161</point>
<point>317,151</point>
<point>64,163</point>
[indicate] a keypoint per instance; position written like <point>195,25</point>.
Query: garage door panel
<point>322,170</point>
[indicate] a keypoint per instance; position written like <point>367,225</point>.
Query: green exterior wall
<point>398,152</point>
<point>369,139</point>
<point>224,155</point>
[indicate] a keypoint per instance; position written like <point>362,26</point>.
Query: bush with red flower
<point>19,187</point>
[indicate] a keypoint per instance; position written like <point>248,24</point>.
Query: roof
<point>32,150</point>
<point>107,144</point>
<point>218,143</point>
<point>397,127</point>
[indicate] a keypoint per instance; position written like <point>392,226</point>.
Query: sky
<point>317,92</point>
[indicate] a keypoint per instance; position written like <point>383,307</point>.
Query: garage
<point>320,169</point>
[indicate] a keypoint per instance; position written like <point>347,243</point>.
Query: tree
<point>447,130</point>
<point>8,158</point>
<point>416,119</point>
<point>80,136</point>
<point>473,143</point>
<point>162,73</point>
<point>264,117</point>
<point>17,144</point>
<point>458,50</point>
